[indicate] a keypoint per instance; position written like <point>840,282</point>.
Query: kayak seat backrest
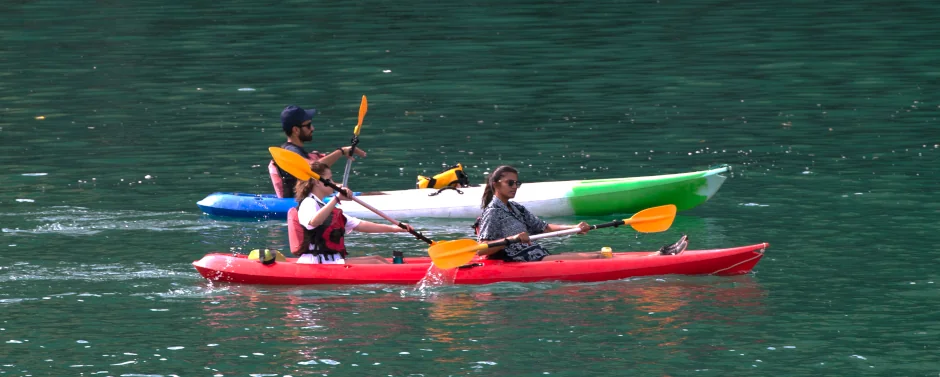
<point>295,231</point>
<point>276,179</point>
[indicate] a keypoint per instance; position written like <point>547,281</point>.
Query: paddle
<point>363,107</point>
<point>299,167</point>
<point>447,255</point>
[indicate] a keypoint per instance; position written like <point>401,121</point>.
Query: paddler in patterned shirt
<point>505,219</point>
<point>325,226</point>
<point>297,124</point>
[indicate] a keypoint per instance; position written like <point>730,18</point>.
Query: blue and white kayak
<point>239,204</point>
<point>598,197</point>
<point>254,206</point>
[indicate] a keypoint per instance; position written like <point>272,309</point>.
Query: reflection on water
<point>322,327</point>
<point>453,318</point>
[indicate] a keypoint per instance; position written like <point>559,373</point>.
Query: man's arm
<point>331,158</point>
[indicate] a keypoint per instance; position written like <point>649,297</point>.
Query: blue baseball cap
<point>293,116</point>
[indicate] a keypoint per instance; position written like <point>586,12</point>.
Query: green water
<point>827,112</point>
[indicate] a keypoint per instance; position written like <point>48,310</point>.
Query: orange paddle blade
<point>363,107</point>
<point>292,163</point>
<point>452,254</point>
<point>652,220</point>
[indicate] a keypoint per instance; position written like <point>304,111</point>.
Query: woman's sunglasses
<point>511,183</point>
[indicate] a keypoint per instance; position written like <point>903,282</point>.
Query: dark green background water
<point>826,110</point>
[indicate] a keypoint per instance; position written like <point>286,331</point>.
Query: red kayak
<point>240,269</point>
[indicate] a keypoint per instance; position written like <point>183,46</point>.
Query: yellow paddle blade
<point>452,254</point>
<point>652,220</point>
<point>292,163</point>
<point>363,107</point>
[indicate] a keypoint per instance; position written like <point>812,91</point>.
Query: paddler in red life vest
<point>325,225</point>
<point>297,124</point>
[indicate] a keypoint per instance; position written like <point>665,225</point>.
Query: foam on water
<point>80,221</point>
<point>434,279</point>
<point>67,271</point>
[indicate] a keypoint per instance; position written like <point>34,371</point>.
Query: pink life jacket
<point>295,232</point>
<point>276,180</point>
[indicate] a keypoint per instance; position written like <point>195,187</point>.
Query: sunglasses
<point>305,125</point>
<point>511,183</point>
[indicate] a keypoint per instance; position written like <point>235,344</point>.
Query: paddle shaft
<point>377,212</point>
<point>352,149</point>
<point>566,232</point>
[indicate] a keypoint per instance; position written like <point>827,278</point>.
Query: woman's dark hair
<point>303,188</point>
<point>497,175</point>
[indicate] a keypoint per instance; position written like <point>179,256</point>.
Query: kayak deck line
<point>758,256</point>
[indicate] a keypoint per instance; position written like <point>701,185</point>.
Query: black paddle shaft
<point>509,240</point>
<point>353,143</point>
<point>416,234</point>
<point>614,223</point>
<point>331,185</point>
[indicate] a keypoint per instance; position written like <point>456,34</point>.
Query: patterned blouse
<point>499,221</point>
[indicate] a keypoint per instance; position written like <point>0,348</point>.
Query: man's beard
<point>306,138</point>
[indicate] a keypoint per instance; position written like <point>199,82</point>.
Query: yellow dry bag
<point>453,176</point>
<point>269,256</point>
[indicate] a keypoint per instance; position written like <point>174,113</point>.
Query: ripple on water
<point>90,273</point>
<point>82,221</point>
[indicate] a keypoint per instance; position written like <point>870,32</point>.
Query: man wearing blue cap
<point>298,126</point>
